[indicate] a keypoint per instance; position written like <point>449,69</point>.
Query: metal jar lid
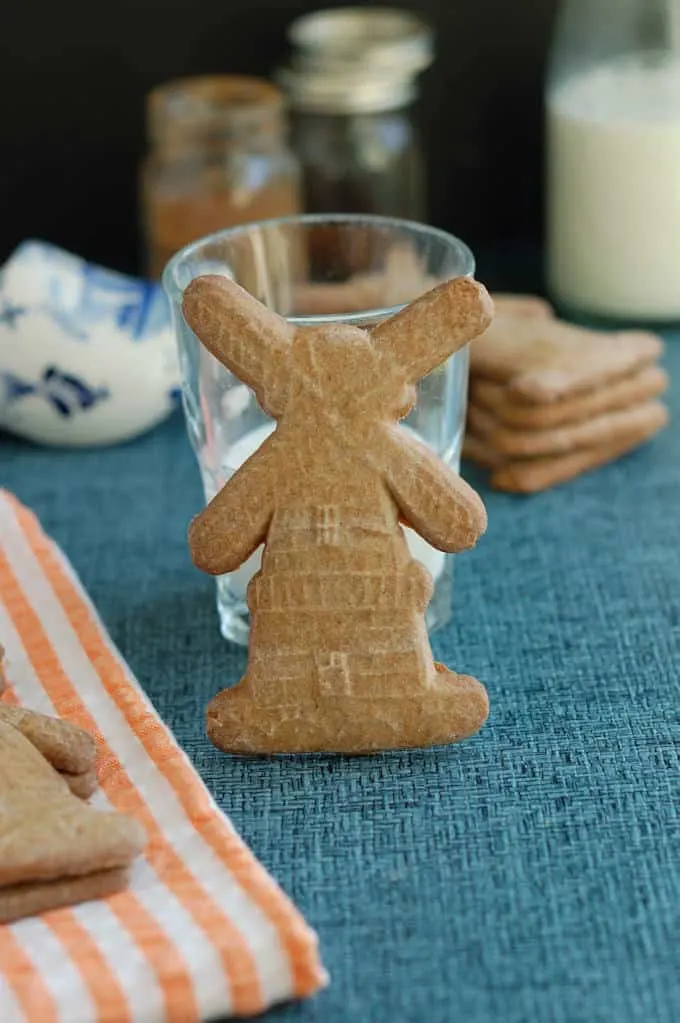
<point>381,37</point>
<point>356,59</point>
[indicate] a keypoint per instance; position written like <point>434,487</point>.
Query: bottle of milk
<point>613,159</point>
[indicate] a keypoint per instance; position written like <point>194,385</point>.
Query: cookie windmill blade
<point>246,337</point>
<point>432,498</point>
<point>253,343</point>
<point>422,336</point>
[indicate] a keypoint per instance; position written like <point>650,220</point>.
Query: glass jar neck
<point>215,113</point>
<point>346,93</point>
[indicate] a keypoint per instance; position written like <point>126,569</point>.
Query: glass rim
<point>414,227</point>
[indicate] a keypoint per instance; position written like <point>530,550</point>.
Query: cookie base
<point>454,707</point>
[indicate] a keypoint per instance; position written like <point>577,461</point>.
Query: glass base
<point>233,614</point>
<point>235,618</point>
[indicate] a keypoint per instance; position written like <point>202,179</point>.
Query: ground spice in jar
<point>218,157</point>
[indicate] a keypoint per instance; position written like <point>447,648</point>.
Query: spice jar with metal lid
<point>218,157</point>
<point>351,83</point>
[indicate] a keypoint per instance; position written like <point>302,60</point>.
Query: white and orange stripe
<point>203,931</point>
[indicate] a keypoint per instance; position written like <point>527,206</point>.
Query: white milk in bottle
<point>613,188</point>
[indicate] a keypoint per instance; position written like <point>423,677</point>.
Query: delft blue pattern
<point>63,391</point>
<point>139,308</point>
<point>9,314</point>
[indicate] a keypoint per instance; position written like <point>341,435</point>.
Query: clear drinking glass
<point>316,269</point>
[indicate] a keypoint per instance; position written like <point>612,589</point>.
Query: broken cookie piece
<point>49,838</point>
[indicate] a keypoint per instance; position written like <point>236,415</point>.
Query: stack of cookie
<point>55,850</point>
<point>549,401</point>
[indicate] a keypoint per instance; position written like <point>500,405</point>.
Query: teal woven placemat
<point>530,875</point>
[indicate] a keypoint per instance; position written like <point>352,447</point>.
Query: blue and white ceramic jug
<point>87,355</point>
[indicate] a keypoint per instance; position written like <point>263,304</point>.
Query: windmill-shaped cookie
<point>339,655</point>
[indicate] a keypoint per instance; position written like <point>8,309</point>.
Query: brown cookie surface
<point>530,475</point>
<point>23,900</point>
<point>46,833</point>
<point>649,382</point>
<point>478,450</point>
<point>589,433</point>
<point>65,746</point>
<point>540,360</point>
<point>522,306</point>
<point>540,474</point>
<point>339,657</point>
<point>401,279</point>
<point>81,785</point>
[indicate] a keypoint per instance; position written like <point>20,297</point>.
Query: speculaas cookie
<point>3,677</point>
<point>82,785</point>
<point>479,451</point>
<point>18,901</point>
<point>339,657</point>
<point>540,359</point>
<point>649,382</point>
<point>66,747</point>
<point>530,475</point>
<point>47,835</point>
<point>522,306</point>
<point>558,440</point>
<point>402,278</point>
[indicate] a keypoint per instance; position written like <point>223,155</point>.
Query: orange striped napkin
<point>203,931</point>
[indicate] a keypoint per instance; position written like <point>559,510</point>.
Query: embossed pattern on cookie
<point>339,655</point>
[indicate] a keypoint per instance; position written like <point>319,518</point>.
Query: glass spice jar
<point>351,85</point>
<point>218,157</point>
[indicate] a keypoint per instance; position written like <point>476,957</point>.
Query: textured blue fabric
<point>531,875</point>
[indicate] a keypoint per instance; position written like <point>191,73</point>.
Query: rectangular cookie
<point>530,475</point>
<point>401,279</point>
<point>589,433</point>
<point>649,382</point>
<point>522,305</point>
<point>540,360</point>
<point>478,450</point>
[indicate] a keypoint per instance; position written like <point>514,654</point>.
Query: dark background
<point>74,75</point>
